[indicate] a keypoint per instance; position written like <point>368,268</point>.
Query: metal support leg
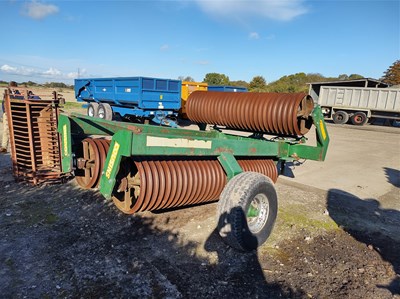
<point>230,165</point>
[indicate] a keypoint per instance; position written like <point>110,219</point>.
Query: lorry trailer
<point>342,102</point>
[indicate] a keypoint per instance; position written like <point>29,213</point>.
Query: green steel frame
<point>130,139</point>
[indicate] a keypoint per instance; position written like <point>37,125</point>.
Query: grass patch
<point>298,217</point>
<point>10,263</point>
<point>37,213</point>
<point>50,218</point>
<point>73,105</point>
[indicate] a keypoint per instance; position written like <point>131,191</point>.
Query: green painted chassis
<point>130,139</point>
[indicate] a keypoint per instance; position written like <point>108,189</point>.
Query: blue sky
<point>46,41</point>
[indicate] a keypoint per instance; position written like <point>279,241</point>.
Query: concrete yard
<point>363,161</point>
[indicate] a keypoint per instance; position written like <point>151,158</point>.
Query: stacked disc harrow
<point>34,139</point>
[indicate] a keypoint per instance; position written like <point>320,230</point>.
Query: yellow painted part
<point>321,125</point>
<point>112,159</point>
<point>65,140</point>
<point>187,89</point>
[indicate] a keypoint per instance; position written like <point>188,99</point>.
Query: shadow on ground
<point>288,167</point>
<point>392,176</point>
<point>374,121</point>
<point>371,224</point>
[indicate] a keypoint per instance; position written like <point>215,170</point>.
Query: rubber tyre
<point>105,111</point>
<point>359,119</point>
<point>340,117</point>
<point>395,123</point>
<point>233,207</point>
<point>92,109</point>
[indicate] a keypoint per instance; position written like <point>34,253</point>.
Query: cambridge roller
<point>286,114</point>
<point>90,161</point>
<point>148,184</point>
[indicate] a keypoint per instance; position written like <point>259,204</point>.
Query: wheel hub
<point>90,112</point>
<point>101,113</point>
<point>257,214</point>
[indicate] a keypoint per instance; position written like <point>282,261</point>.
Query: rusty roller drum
<point>275,113</point>
<point>90,161</point>
<point>148,185</point>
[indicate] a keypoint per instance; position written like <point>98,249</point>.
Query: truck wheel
<point>105,112</point>
<point>340,117</point>
<point>359,119</point>
<point>395,123</point>
<point>247,210</point>
<point>92,109</point>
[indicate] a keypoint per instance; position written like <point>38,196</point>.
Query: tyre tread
<point>232,205</point>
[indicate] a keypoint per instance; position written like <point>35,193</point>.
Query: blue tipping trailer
<point>132,98</point>
<point>226,88</point>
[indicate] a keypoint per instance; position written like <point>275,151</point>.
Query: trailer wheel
<point>92,109</point>
<point>247,210</point>
<point>340,117</point>
<point>105,111</point>
<point>359,119</point>
<point>394,123</point>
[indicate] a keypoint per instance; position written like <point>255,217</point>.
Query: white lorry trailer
<point>342,102</point>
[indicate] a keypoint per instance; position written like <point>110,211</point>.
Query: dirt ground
<point>64,242</point>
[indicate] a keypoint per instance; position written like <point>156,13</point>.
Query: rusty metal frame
<point>34,140</point>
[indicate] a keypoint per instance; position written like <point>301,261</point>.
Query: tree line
<point>295,82</point>
<point>290,83</point>
<point>34,84</point>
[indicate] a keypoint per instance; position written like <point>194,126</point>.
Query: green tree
<point>392,74</point>
<point>258,84</point>
<point>187,78</point>
<point>355,76</point>
<point>56,85</point>
<point>239,83</point>
<point>292,83</point>
<point>216,79</point>
<point>29,83</point>
<point>315,77</point>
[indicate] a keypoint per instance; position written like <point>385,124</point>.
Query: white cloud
<point>38,10</point>
<point>51,73</point>
<point>283,10</point>
<point>164,47</point>
<point>74,75</point>
<point>24,71</point>
<point>8,69</point>
<point>254,35</point>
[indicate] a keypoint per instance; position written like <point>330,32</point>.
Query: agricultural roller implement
<point>147,168</point>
